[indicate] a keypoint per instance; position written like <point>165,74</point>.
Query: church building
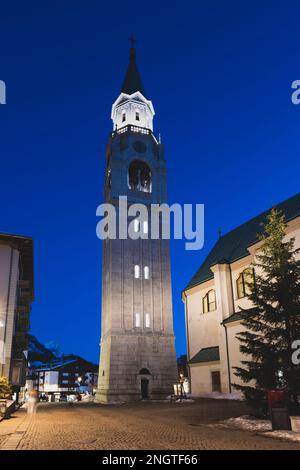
<point>137,359</point>
<point>214,297</point>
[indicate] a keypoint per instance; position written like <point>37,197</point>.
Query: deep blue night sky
<point>219,74</point>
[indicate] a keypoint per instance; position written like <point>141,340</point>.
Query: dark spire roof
<point>132,81</point>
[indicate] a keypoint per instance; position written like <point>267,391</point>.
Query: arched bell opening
<point>139,176</point>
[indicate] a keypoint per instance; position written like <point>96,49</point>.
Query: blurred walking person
<point>32,403</point>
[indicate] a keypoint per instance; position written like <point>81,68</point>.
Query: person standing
<point>32,402</point>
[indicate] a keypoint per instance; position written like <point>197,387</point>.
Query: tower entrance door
<point>145,389</point>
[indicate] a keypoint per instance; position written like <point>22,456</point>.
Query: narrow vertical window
<point>137,320</point>
<point>209,301</point>
<point>137,116</point>
<point>244,282</point>
<point>145,226</point>
<point>123,117</point>
<point>136,271</point>
<point>146,272</point>
<point>147,320</point>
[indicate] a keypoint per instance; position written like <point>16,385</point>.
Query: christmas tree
<point>274,324</point>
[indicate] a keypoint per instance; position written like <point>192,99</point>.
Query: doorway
<point>145,389</point>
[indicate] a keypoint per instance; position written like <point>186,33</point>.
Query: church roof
<point>237,316</point>
<point>234,244</point>
<point>132,81</point>
<point>206,355</point>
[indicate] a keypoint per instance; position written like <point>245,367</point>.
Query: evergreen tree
<point>274,324</point>
<point>5,388</point>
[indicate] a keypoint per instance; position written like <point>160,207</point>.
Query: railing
<point>7,407</point>
<point>132,128</point>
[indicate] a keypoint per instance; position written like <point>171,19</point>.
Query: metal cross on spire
<point>132,40</point>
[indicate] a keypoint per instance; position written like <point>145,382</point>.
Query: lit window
<point>123,117</point>
<point>145,226</point>
<point>137,116</point>
<point>137,320</point>
<point>146,272</point>
<point>136,271</point>
<point>244,283</point>
<point>147,320</point>
<point>209,301</point>
<point>136,225</point>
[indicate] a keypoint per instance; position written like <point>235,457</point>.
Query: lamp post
<point>181,382</point>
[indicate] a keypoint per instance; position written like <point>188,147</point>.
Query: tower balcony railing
<point>133,128</point>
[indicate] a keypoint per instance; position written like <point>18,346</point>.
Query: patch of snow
<point>262,426</point>
<point>287,435</point>
<point>186,400</point>
<point>176,399</point>
<point>166,400</point>
<point>54,347</point>
<point>218,396</point>
<point>248,423</point>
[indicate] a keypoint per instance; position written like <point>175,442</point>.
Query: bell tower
<point>137,359</point>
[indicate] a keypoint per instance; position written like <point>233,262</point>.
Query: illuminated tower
<point>137,342</point>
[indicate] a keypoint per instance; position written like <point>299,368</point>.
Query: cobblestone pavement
<point>146,426</point>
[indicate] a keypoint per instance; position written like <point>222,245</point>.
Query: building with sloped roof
<point>16,296</point>
<point>55,375</point>
<point>214,298</point>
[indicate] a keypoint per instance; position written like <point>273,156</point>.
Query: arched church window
<point>209,301</point>
<point>244,283</point>
<point>139,176</point>
<point>137,116</point>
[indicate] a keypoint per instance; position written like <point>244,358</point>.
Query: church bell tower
<point>137,359</point>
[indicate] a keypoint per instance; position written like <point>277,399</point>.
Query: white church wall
<point>202,327</point>
<point>201,378</point>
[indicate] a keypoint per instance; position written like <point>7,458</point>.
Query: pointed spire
<point>132,81</point>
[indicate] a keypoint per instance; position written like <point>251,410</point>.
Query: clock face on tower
<point>139,146</point>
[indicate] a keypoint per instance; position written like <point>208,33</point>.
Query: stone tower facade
<point>137,342</point>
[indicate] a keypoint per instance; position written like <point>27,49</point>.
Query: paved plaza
<point>145,425</point>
